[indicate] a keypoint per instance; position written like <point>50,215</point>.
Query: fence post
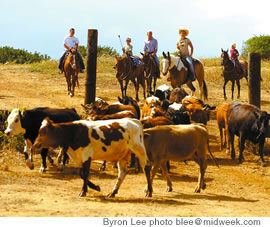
<point>254,79</point>
<point>91,67</point>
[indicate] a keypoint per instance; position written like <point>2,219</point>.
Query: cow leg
<point>233,82</point>
<point>43,167</point>
<point>84,174</point>
<point>166,175</point>
<point>201,185</point>
<point>50,159</point>
<point>221,137</point>
<point>103,166</point>
<point>224,89</point>
<point>241,148</point>
<point>238,86</point>
<point>149,189</point>
<point>62,159</point>
<point>122,172</point>
<point>28,158</point>
<point>261,145</point>
<point>232,145</point>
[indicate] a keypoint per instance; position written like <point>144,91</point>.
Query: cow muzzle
<point>8,133</point>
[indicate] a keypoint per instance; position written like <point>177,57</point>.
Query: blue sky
<point>41,25</point>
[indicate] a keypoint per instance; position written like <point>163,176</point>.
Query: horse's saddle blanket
<point>181,63</point>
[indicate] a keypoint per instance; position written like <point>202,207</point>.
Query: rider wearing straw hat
<point>182,48</point>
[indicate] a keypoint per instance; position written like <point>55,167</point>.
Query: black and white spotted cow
<point>28,123</point>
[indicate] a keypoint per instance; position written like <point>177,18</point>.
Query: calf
<point>177,143</point>
<point>197,110</point>
<point>28,122</point>
<point>222,121</point>
<point>111,140</point>
<point>177,95</point>
<point>152,122</point>
<point>163,92</point>
<point>152,108</point>
<point>248,122</point>
<point>178,114</point>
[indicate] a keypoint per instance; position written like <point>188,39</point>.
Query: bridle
<point>224,61</point>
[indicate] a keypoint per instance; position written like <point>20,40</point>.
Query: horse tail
<point>205,91</point>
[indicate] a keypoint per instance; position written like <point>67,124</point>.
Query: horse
<point>231,73</point>
<point>71,70</point>
<point>180,77</point>
<point>126,71</point>
<point>151,72</point>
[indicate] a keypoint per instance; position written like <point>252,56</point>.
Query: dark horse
<point>231,72</point>
<point>126,71</point>
<point>151,72</point>
<point>71,70</point>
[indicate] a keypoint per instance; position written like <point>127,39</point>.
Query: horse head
<point>224,56</point>
<point>122,66</point>
<point>72,58</point>
<point>166,63</point>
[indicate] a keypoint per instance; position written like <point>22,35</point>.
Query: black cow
<point>248,122</point>
<point>28,122</point>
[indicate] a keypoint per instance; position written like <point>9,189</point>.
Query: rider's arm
<point>77,45</point>
<point>191,48</point>
<point>66,46</point>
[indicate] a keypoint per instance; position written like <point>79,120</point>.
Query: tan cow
<point>177,143</point>
<point>222,121</point>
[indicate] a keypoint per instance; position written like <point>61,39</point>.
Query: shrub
<point>101,51</point>
<point>257,44</point>
<point>18,56</point>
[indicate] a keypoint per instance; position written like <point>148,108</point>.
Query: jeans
<point>191,67</point>
<point>60,63</point>
<point>239,64</point>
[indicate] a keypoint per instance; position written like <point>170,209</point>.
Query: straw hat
<point>184,30</point>
<point>234,44</point>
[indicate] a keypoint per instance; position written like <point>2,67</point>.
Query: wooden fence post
<point>254,79</point>
<point>91,67</point>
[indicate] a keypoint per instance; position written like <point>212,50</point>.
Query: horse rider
<point>151,47</point>
<point>182,49</point>
<point>127,49</point>
<point>234,57</point>
<point>71,43</point>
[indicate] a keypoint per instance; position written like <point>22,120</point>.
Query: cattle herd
<point>170,126</point>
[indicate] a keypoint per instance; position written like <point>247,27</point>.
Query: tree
<point>257,44</point>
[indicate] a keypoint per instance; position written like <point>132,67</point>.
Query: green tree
<point>101,50</point>
<point>257,44</point>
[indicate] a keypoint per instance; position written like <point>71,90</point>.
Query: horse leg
<point>224,89</point>
<point>136,85</point>
<point>155,82</point>
<point>238,86</point>
<point>233,82</point>
<point>192,88</point>
<point>68,82</point>
<point>74,78</point>
<point>122,87</point>
<point>126,85</point>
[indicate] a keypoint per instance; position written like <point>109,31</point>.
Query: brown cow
<point>152,108</point>
<point>152,122</point>
<point>222,121</point>
<point>177,143</point>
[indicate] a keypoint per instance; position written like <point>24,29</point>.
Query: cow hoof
<point>204,186</point>
<point>169,189</point>
<point>42,170</point>
<point>82,194</point>
<point>148,195</point>
<point>30,164</point>
<point>111,195</point>
<point>197,190</point>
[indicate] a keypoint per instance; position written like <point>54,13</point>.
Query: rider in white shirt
<point>71,43</point>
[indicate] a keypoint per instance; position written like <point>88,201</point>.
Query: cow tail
<point>205,91</point>
<point>212,156</point>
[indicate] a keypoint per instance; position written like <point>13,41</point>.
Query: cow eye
<point>16,120</point>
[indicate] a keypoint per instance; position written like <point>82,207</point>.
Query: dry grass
<point>232,190</point>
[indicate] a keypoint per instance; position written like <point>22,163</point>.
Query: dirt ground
<point>232,189</point>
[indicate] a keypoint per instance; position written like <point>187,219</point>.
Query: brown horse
<point>178,78</point>
<point>71,70</point>
<point>231,72</point>
<point>126,71</point>
<point>151,72</point>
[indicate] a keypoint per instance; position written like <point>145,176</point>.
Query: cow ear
<point>47,121</point>
<point>141,53</point>
<point>146,135</point>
